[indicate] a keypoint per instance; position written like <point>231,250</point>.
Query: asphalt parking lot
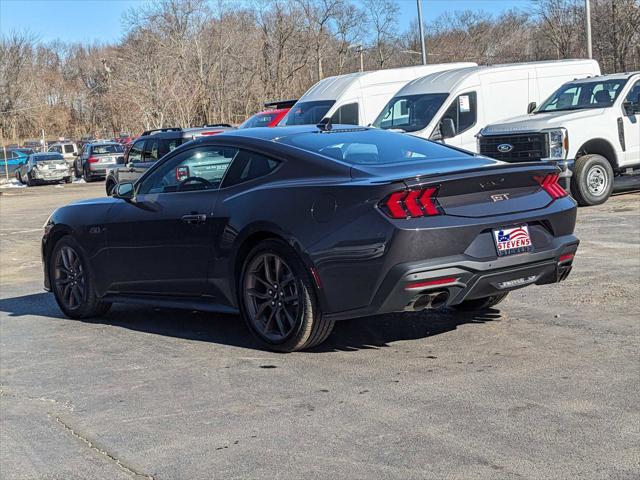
<point>545,387</point>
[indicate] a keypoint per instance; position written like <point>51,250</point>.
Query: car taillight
<point>211,133</point>
<point>93,160</point>
<point>412,203</point>
<point>550,185</point>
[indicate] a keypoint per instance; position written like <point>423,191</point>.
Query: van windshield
<point>410,112</point>
<point>581,95</point>
<point>307,113</point>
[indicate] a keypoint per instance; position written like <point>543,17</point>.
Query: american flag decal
<point>512,240</point>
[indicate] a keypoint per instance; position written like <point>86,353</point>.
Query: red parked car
<point>271,117</point>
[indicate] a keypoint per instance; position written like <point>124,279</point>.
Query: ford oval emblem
<point>505,147</point>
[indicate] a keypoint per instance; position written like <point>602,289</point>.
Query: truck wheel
<point>592,180</point>
<point>479,304</point>
<point>76,172</point>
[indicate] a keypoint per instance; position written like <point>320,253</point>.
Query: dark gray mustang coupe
<point>297,227</point>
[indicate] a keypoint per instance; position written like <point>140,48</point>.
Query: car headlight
<point>558,144</point>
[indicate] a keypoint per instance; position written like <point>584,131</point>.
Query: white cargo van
<point>453,106</point>
<point>357,98</point>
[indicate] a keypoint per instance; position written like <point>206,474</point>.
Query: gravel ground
<point>546,387</point>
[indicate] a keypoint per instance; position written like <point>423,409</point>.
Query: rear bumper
<point>50,176</point>
<point>467,279</point>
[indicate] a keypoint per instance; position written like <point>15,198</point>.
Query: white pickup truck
<point>589,127</point>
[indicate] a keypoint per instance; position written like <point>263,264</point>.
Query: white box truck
<point>589,127</point>
<point>356,98</point>
<point>453,106</point>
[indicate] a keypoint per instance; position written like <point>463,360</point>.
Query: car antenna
<point>325,124</point>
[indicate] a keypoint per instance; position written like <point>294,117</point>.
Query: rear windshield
<point>410,112</point>
<point>99,149</point>
<point>259,120</point>
<point>370,147</point>
<point>307,113</point>
<point>48,157</point>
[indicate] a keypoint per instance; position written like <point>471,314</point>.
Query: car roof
<point>278,133</point>
<point>612,76</point>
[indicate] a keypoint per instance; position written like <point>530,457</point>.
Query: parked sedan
<point>95,160</point>
<point>298,227</point>
<point>43,168</point>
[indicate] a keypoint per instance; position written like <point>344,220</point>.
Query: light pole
<point>423,47</point>
<point>587,19</point>
<point>359,49</point>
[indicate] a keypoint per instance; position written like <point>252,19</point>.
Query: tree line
<point>194,62</point>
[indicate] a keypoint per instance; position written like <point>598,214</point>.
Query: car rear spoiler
<point>281,104</point>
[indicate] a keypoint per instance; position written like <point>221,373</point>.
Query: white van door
<point>463,111</point>
<point>631,126</point>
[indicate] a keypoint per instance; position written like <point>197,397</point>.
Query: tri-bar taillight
<point>412,203</point>
<point>550,185</point>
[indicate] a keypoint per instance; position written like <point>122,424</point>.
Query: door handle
<point>194,219</point>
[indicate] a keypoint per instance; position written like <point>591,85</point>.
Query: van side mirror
<point>75,154</point>
<point>447,128</point>
<point>124,191</point>
<point>531,107</point>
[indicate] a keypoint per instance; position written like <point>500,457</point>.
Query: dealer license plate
<point>510,241</point>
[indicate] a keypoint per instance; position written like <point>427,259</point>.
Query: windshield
<point>48,157</point>
<point>371,146</point>
<point>111,148</point>
<point>259,120</point>
<point>410,112</point>
<point>580,95</point>
<point>307,113</point>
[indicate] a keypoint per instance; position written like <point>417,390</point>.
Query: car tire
<point>592,180</point>
<point>285,316</point>
<point>479,304</point>
<point>19,177</point>
<point>67,179</point>
<point>30,181</point>
<point>72,282</point>
<point>87,176</point>
<point>76,172</point>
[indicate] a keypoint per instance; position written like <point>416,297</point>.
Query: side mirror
<point>531,107</point>
<point>75,154</point>
<point>120,160</point>
<point>447,128</point>
<point>124,191</point>
<point>631,108</point>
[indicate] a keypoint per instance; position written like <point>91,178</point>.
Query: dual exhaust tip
<point>432,300</point>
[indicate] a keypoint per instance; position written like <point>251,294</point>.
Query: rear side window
<point>463,111</point>
<point>346,114</point>
<point>68,149</point>
<point>247,166</point>
<point>151,150</point>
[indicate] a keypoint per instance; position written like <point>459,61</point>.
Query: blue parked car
<point>14,158</point>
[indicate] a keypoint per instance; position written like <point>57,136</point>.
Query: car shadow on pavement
<point>349,335</point>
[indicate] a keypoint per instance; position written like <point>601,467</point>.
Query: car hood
<point>540,121</point>
<point>96,201</point>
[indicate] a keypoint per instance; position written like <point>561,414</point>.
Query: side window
<point>151,150</point>
<point>68,148</point>
<point>634,93</point>
<point>247,166</point>
<point>346,114</point>
<point>200,168</point>
<point>463,111</point>
<point>135,154</point>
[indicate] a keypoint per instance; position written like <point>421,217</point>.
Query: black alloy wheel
<point>271,296</point>
<point>68,278</point>
<point>72,282</point>
<point>277,299</point>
